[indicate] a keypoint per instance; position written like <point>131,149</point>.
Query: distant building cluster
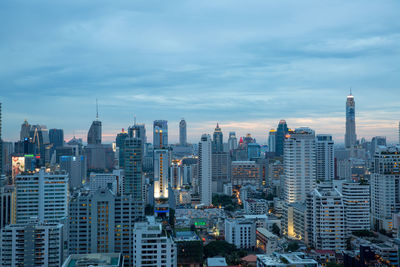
<point>298,200</point>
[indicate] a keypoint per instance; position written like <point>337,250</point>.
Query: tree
<point>292,246</point>
<point>219,247</point>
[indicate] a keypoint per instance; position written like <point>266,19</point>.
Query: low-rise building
<point>266,241</point>
<point>294,259</point>
<point>255,206</point>
<point>94,259</point>
<point>241,233</point>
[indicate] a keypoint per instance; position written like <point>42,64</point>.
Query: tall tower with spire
<point>217,143</point>
<point>350,137</point>
<point>94,134</point>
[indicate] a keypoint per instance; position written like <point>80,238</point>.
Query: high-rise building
<point>350,137</point>
<point>153,245</point>
<point>40,138</point>
<point>272,140</point>
<point>94,134</point>
<point>138,130</point>
<point>7,202</point>
<point>253,151</point>
<point>325,157</point>
<point>356,200</point>
<point>375,142</point>
<point>33,244</point>
<point>103,222</point>
<point>41,196</point>
<point>281,133</point>
<point>205,170</point>
<point>75,166</point>
<point>220,162</point>
<point>241,233</point>
<point>232,141</point>
<point>385,187</point>
<point>399,133</point>
<point>182,133</point>
<point>120,144</point>
<point>325,220</point>
<point>25,130</point>
<point>133,181</point>
<point>299,165</point>
<point>161,177</point>
<point>217,142</point>
<point>160,134</point>
<point>56,137</point>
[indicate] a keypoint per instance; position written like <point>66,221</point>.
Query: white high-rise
<point>161,168</point>
<point>205,170</point>
<point>325,158</point>
<point>41,196</point>
<point>272,140</point>
<point>152,245</point>
<point>299,165</point>
<point>241,233</point>
<point>325,220</point>
<point>356,199</point>
<point>385,187</point>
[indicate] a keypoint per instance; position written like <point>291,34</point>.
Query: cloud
<point>246,65</point>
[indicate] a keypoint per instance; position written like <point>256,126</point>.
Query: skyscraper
<point>94,134</point>
<point>161,168</point>
<point>232,141</point>
<point>272,140</point>
<point>325,158</point>
<point>138,130</point>
<point>299,165</point>
<point>120,144</point>
<point>160,134</point>
<point>350,137</point>
<point>205,168</point>
<point>25,130</point>
<point>217,142</point>
<point>133,181</point>
<point>182,133</point>
<point>56,137</point>
<point>1,147</point>
<point>281,132</point>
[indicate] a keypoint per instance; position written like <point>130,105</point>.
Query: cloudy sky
<point>244,64</point>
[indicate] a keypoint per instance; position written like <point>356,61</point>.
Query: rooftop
<point>95,259</point>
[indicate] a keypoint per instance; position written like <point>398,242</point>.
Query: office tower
<point>182,133</point>
<point>350,137</point>
<point>75,166</point>
<point>7,202</point>
<point>40,138</point>
<point>94,134</point>
<point>160,134</point>
<point>325,158</point>
<point>162,249</point>
<point>133,181</point>
<point>99,157</point>
<point>120,144</point>
<point>232,141</point>
<point>356,199</point>
<point>41,196</point>
<point>102,222</point>
<point>272,140</point>
<point>220,162</point>
<point>33,244</point>
<point>299,165</point>
<point>241,233</point>
<point>325,220</point>
<point>245,173</point>
<point>110,181</point>
<point>25,130</point>
<point>217,142</point>
<point>281,133</point>
<point>161,178</point>
<point>385,187</point>
<point>253,151</point>
<point>205,170</point>
<point>138,130</point>
<point>56,137</point>
<point>399,133</point>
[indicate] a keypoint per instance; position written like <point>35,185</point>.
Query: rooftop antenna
<point>134,119</point>
<point>350,91</point>
<point>97,110</point>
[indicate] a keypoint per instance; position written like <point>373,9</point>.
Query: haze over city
<point>244,65</point>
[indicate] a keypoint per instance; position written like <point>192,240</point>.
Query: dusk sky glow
<point>244,64</point>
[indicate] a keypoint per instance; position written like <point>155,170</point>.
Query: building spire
<point>97,110</point>
<point>350,91</point>
<point>134,119</point>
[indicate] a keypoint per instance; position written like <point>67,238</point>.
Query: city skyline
<point>245,66</point>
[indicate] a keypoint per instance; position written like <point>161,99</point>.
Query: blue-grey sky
<point>245,64</point>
